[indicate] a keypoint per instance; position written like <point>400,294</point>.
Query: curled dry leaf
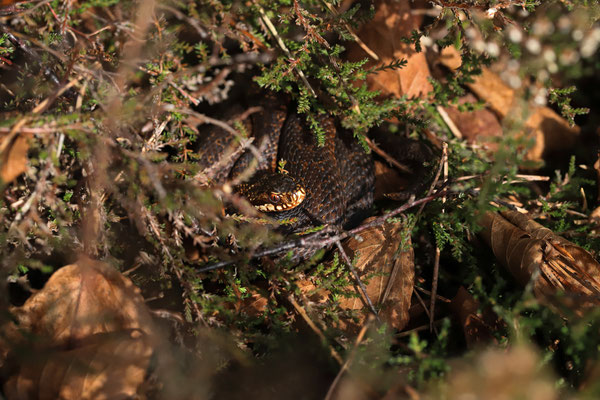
<point>532,252</point>
<point>393,21</point>
<point>385,259</point>
<point>67,318</point>
<point>550,131</point>
<point>13,156</point>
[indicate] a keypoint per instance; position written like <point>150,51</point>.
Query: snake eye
<point>275,198</point>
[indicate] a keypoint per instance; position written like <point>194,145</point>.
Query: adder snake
<point>330,184</point>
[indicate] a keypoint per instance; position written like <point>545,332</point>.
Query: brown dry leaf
<point>550,131</point>
<point>83,299</point>
<point>104,366</point>
<point>595,216</point>
<point>393,20</point>
<point>478,327</point>
<point>475,126</point>
<point>13,156</point>
<point>530,251</point>
<point>81,302</point>
<point>256,304</point>
<point>597,168</point>
<point>390,273</point>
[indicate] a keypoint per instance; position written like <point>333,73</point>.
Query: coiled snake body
<point>330,184</point>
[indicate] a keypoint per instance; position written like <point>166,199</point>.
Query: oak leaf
<point>477,126</point>
<point>393,21</point>
<point>83,299</point>
<point>549,130</point>
<point>384,257</point>
<point>92,337</point>
<point>13,156</point>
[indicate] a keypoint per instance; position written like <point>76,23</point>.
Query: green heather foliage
<point>113,170</point>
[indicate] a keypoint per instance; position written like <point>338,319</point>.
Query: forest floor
<point>134,270</point>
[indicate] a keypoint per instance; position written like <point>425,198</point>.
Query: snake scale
<point>330,184</point>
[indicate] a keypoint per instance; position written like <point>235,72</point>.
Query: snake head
<point>272,192</point>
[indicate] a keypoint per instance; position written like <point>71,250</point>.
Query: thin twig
<point>451,125</point>
<point>349,360</point>
<point>269,252</point>
<point>387,157</point>
<point>436,264</point>
<point>359,282</point>
<point>428,293</point>
<point>434,286</point>
<point>357,39</point>
<point>223,125</point>
<point>283,47</point>
<point>316,240</point>
<point>422,302</point>
<point>314,327</point>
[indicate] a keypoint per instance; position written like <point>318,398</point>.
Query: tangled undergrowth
<point>104,106</point>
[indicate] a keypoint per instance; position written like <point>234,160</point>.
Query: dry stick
<point>436,265</point>
<point>316,240</point>
<point>422,302</point>
<point>349,360</point>
<point>223,125</point>
<point>359,282</point>
<point>283,47</point>
<point>451,125</point>
<point>193,22</point>
<point>434,286</point>
<point>387,157</point>
<point>34,58</point>
<point>428,293</point>
<point>269,252</point>
<point>47,102</point>
<point>314,327</point>
<point>358,40</point>
<point>418,329</point>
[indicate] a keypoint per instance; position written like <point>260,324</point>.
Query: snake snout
<point>273,192</point>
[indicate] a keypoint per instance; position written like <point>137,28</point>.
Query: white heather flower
<point>513,65</point>
<point>514,82</point>
<point>470,33</point>
<point>479,45</point>
<point>511,78</point>
<point>549,55</point>
<point>577,35</point>
<point>426,41</point>
<point>493,49</point>
<point>568,57</point>
<point>589,45</point>
<point>515,35</point>
<point>533,46</point>
<point>542,28</point>
<point>564,23</point>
